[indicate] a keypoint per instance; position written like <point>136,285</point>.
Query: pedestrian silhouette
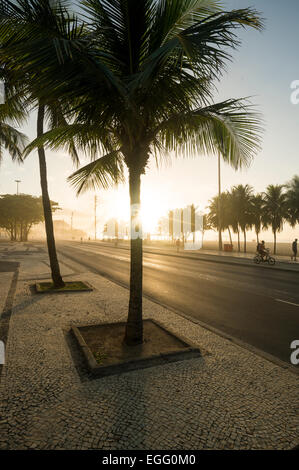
<point>294,250</point>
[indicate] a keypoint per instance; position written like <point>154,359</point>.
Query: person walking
<point>294,250</point>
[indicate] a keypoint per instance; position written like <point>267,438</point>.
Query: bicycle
<point>264,259</point>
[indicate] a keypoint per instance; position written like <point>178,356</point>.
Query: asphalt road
<point>257,306</point>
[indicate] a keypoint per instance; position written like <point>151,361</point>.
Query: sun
<point>152,209</point>
<point>150,213</point>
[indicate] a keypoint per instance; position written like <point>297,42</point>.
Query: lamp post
<point>219,206</point>
<point>95,218</point>
<point>17,181</point>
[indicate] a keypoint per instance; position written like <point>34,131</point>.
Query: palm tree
<point>241,200</point>
<point>225,221</point>
<point>143,87</point>
<point>205,227</point>
<point>25,26</point>
<point>257,203</point>
<point>292,201</point>
<point>274,209</point>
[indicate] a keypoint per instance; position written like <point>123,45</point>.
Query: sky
<point>263,67</point>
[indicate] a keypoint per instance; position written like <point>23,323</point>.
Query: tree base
<point>133,334</point>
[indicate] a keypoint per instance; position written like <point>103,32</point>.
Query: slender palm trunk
<point>219,207</point>
<point>230,235</point>
<point>244,241</point>
<point>55,270</point>
<point>134,326</point>
<point>15,231</point>
<point>257,238</point>
<point>239,247</point>
<point>274,243</point>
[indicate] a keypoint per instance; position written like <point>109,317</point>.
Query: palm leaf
<point>102,173</point>
<point>12,140</point>
<point>227,127</point>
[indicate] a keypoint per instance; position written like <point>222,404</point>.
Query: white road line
<point>286,302</point>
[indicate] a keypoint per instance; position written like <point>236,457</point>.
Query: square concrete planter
<point>106,354</point>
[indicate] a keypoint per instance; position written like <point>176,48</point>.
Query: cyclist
<point>262,249</point>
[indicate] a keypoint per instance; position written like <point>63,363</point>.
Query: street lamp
<point>95,217</point>
<point>18,181</point>
<point>219,206</point>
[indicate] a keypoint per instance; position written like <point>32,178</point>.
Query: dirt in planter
<point>69,287</point>
<point>106,342</point>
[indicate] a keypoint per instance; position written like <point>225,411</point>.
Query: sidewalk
<point>229,398</point>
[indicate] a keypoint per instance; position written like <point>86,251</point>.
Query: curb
<point>222,261</point>
<point>200,257</point>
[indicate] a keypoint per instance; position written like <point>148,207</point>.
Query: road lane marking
<point>286,302</point>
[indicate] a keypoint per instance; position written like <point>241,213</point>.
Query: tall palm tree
<point>292,201</point>
<point>143,85</point>
<point>242,199</point>
<point>257,203</point>
<point>27,26</point>
<point>274,209</point>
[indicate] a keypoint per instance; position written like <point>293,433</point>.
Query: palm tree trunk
<point>244,241</point>
<point>55,270</point>
<point>274,243</point>
<point>134,326</point>
<point>257,238</point>
<point>239,247</point>
<point>230,235</point>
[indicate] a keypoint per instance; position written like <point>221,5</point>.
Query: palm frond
<point>90,139</point>
<point>227,127</point>
<point>102,173</point>
<point>202,48</point>
<point>56,117</point>
<point>173,17</point>
<point>12,140</point>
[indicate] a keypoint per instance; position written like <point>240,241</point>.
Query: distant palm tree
<point>257,203</point>
<point>226,220</point>
<point>292,201</point>
<point>143,85</point>
<point>242,208</point>
<point>205,227</point>
<point>27,26</point>
<point>274,209</point>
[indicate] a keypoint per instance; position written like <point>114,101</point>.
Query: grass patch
<point>100,356</point>
<point>75,286</point>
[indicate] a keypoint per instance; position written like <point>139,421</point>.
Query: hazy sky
<point>264,67</point>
